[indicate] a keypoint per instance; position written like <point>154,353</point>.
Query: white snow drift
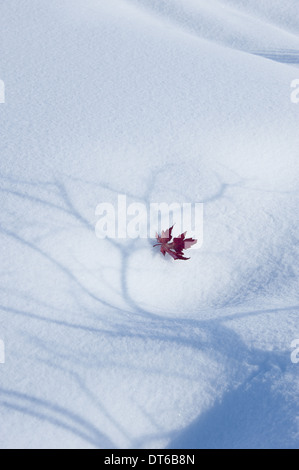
<point>108,344</point>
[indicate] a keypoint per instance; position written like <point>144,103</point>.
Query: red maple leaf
<point>174,246</point>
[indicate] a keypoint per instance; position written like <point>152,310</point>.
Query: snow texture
<point>108,344</point>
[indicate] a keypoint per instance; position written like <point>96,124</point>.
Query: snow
<point>108,344</point>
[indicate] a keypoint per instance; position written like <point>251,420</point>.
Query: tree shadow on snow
<point>254,416</point>
<point>251,415</point>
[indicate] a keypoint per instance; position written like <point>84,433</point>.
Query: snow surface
<point>108,344</point>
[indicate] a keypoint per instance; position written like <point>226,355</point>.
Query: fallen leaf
<point>174,246</point>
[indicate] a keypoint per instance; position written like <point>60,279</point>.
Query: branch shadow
<point>251,417</point>
<point>132,323</point>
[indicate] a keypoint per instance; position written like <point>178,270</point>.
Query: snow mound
<point>107,343</point>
